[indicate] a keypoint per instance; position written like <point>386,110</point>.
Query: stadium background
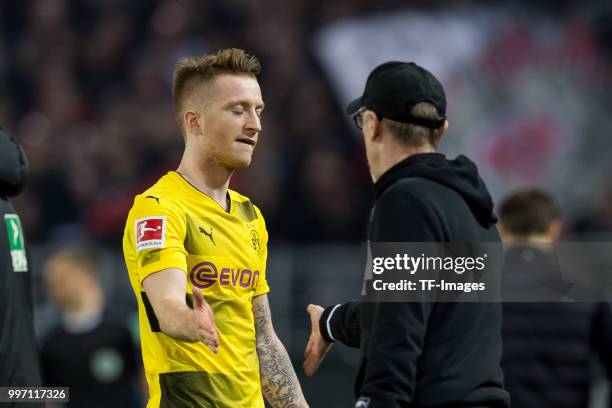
<point>85,86</point>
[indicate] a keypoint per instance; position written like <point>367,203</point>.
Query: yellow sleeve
<point>262,284</point>
<point>158,233</point>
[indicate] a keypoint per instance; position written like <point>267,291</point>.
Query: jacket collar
<point>395,173</point>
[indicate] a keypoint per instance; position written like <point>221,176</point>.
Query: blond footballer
<point>196,253</point>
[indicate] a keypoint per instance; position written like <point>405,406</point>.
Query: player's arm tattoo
<point>279,383</point>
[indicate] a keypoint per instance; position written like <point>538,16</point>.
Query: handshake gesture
<point>205,329</point>
<point>317,346</point>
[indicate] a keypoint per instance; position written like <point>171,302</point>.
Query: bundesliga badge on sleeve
<point>150,232</point>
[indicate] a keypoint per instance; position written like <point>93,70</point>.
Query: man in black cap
<point>19,364</point>
<point>417,354</point>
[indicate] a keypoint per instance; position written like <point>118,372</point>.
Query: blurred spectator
<point>91,351</point>
<point>97,124</point>
<point>326,205</point>
<point>19,366</point>
<point>549,345</point>
<point>597,219</point>
<point>97,117</point>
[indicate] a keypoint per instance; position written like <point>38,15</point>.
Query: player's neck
<point>210,179</point>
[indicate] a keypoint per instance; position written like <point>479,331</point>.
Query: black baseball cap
<point>394,87</point>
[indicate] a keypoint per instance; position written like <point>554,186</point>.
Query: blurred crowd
<point>85,85</point>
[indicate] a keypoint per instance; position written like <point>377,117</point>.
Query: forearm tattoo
<point>279,383</point>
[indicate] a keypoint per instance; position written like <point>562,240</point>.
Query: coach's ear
<point>441,132</point>
<point>372,126</point>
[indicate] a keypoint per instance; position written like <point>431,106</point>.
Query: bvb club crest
<point>255,242</point>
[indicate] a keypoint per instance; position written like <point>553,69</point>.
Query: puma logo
<point>208,234</point>
<point>154,198</point>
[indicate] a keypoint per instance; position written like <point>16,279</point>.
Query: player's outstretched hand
<point>317,346</point>
<point>206,331</point>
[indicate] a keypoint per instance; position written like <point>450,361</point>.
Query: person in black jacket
<point>417,354</point>
<point>19,364</point>
<point>548,344</point>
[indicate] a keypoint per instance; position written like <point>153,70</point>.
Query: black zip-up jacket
<point>549,345</point>
<point>19,364</point>
<point>424,354</point>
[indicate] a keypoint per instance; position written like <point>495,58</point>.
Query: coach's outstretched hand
<point>206,330</point>
<point>317,346</point>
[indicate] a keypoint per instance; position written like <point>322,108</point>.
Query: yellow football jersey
<point>174,225</point>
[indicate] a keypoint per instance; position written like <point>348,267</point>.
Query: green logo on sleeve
<point>16,242</point>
